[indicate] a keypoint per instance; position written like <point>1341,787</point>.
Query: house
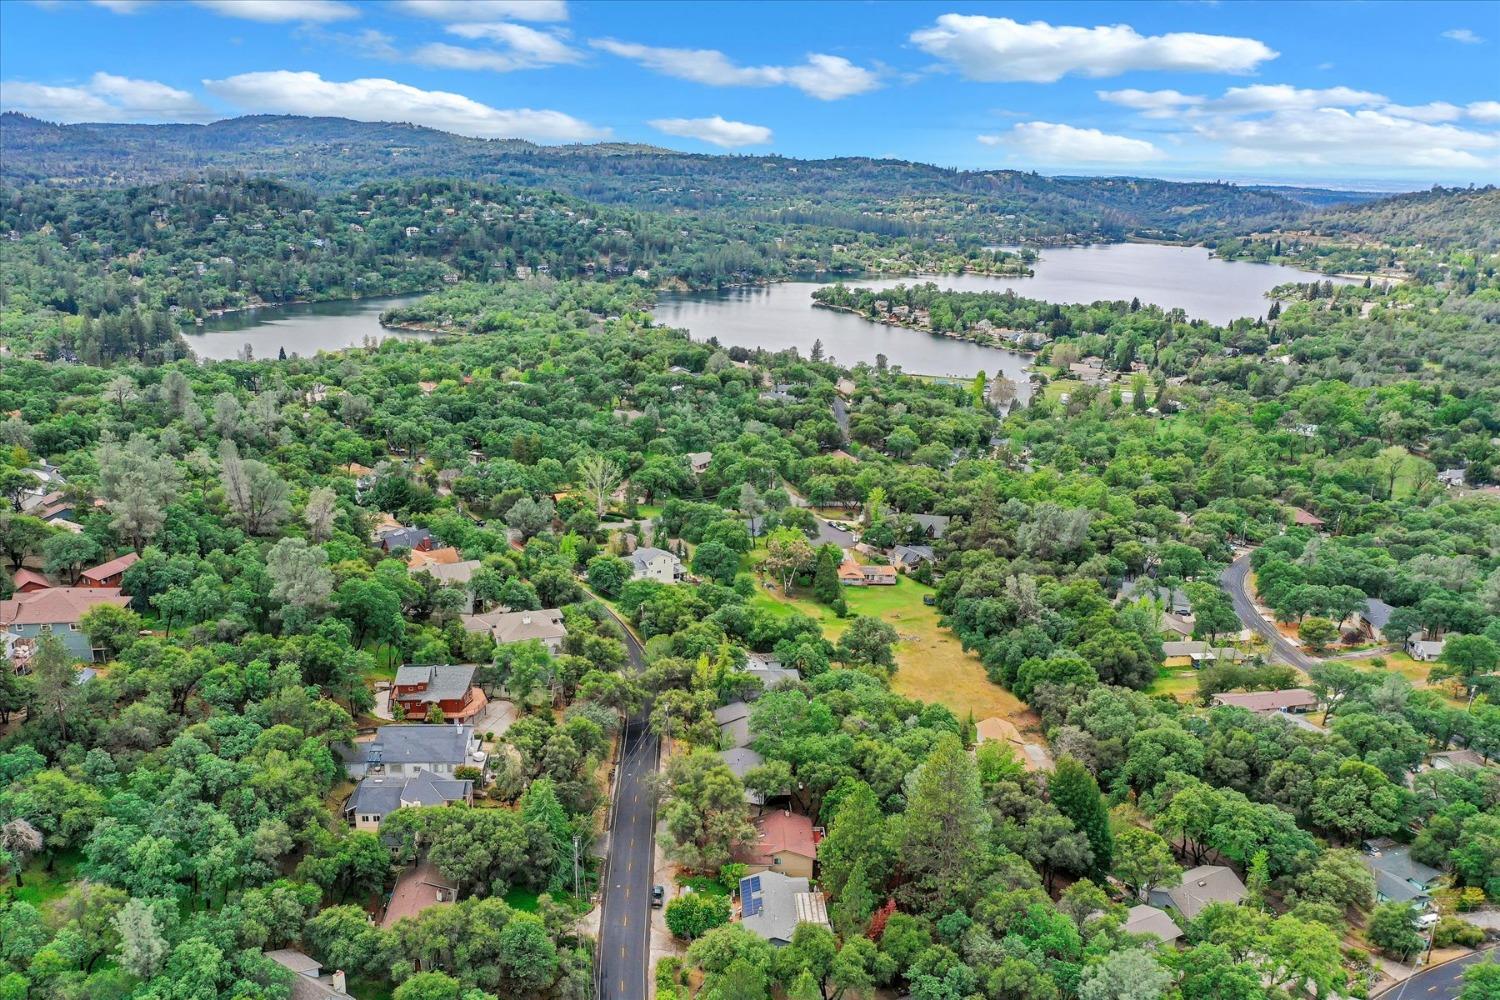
<point>401,537</point>
<point>698,461</point>
<point>1374,618</point>
<point>1422,649</point>
<point>1198,888</point>
<point>29,581</point>
<point>505,627</point>
<point>1184,652</point>
<point>1176,624</point>
<point>734,725</point>
<point>909,557</point>
<point>407,750</point>
<point>785,842</point>
<point>55,611</point>
<point>48,506</point>
<point>1174,601</point>
<point>741,761</point>
<point>419,888</point>
<point>844,387</point>
<point>1305,519</point>
<point>1452,760</point>
<point>770,671</point>
<point>1296,700</point>
<point>308,980</point>
<point>647,563</point>
<point>110,574</point>
<point>449,686</point>
<point>379,795</point>
<point>934,526</point>
<point>1399,879</point>
<point>1143,919</point>
<point>772,905</point>
<point>853,574</point>
<point>1451,477</point>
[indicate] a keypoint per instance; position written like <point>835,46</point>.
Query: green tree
<point>1144,860</point>
<point>695,914</point>
<point>945,827</point>
<point>1317,633</point>
<point>1076,794</point>
<point>868,642</point>
<point>1393,929</point>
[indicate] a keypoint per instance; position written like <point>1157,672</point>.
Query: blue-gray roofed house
<point>408,750</point>
<point>380,795</point>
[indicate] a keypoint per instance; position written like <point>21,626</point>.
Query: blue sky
<point>1371,94</point>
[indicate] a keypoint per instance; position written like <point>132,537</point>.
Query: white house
<point>1422,649</point>
<point>647,563</point>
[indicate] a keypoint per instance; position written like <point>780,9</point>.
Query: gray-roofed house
<point>378,796</point>
<point>772,905</point>
<point>419,686</point>
<point>409,750</point>
<point>1175,600</point>
<point>1143,919</point>
<point>308,981</point>
<point>743,760</point>
<point>1422,649</point>
<point>505,627</point>
<point>734,725</point>
<point>909,557</point>
<point>391,539</point>
<point>934,526</point>
<point>1199,887</point>
<point>698,461</point>
<point>1375,616</point>
<point>1398,878</point>
<point>770,671</point>
<point>647,563</point>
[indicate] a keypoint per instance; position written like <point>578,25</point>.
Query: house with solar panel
<point>784,841</point>
<point>772,905</point>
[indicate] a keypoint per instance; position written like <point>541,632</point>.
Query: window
<point>44,629</point>
<point>73,628</point>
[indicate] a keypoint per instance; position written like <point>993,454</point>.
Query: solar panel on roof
<point>750,896</point>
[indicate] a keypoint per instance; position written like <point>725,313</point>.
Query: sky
<point>1358,94</point>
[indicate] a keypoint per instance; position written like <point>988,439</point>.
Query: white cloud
<point>1464,35</point>
<point>121,6</point>
<point>1151,103</point>
<point>998,49</point>
<point>1048,142</point>
<point>1335,137</point>
<point>1484,111</point>
<point>825,77</point>
<point>380,100</point>
<point>1433,111</point>
<point>277,11</point>
<point>715,130</point>
<point>484,10</point>
<point>1262,97</point>
<point>105,98</point>
<point>535,47</point>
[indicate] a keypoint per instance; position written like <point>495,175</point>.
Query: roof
<point>414,744</point>
<point>417,889</point>
<point>445,572</point>
<point>779,832</point>
<point>644,555</point>
<point>1176,623</point>
<point>384,794</point>
<point>741,761</point>
<point>446,554</point>
<point>1145,919</point>
<point>58,605</point>
<point>774,904</point>
<point>1185,647</point>
<point>295,961</point>
<point>1398,890</point>
<point>1427,647</point>
<point>104,571</point>
<point>734,723</point>
<point>518,626</point>
<point>697,458</point>
<point>1377,612</point>
<point>1204,885</point>
<point>1396,861</point>
<point>1305,518</point>
<point>29,576</point>
<point>402,538</point>
<point>1459,758</point>
<point>306,984</point>
<point>912,554</point>
<point>442,682</point>
<point>770,671</point>
<point>935,525</point>
<point>1270,701</point>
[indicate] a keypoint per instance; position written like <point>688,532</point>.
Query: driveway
<point>1441,982</point>
<point>1236,581</point>
<point>623,962</point>
<point>496,718</point>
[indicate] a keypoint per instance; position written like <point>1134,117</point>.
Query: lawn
<point>704,884</point>
<point>931,663</point>
<point>1415,671</point>
<point>1181,684</point>
<point>1055,389</point>
<point>41,886</point>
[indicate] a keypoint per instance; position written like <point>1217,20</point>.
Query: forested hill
<point>1443,216</point>
<point>891,196</point>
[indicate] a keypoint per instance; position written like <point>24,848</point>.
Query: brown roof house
<point>418,888</point>
<point>506,627</point>
<point>110,574</point>
<point>1271,702</point>
<point>449,686</point>
<point>55,611</point>
<point>785,842</point>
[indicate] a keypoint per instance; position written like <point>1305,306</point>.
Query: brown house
<point>450,687</point>
<point>785,842</point>
<point>29,581</point>
<point>110,574</point>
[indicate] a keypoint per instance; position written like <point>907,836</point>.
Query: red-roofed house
<point>785,842</point>
<point>109,574</point>
<point>1306,519</point>
<point>29,581</point>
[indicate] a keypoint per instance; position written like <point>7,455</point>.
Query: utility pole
<point>575,865</point>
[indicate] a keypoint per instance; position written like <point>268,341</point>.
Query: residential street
<point>623,958</point>
<point>1444,982</point>
<point>1236,582</point>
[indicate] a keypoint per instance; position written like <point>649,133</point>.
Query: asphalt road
<point>841,415</point>
<point>624,956</point>
<point>1235,580</point>
<point>1443,982</point>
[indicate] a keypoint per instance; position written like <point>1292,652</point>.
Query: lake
<point>780,316</point>
<point>303,328</point>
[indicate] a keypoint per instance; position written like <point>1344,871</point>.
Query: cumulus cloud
<point>1151,103</point>
<point>715,130</point>
<point>825,77</point>
<point>276,11</point>
<point>998,49</point>
<point>380,100</point>
<point>528,45</point>
<point>1332,137</point>
<point>484,10</point>
<point>1049,142</point>
<point>1463,35</point>
<point>1484,111</point>
<point>104,98</point>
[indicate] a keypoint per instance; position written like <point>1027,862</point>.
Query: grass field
<point>1415,671</point>
<point>1181,684</point>
<point>41,886</point>
<point>931,663</point>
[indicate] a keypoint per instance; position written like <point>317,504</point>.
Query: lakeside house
<point>648,563</point>
<point>772,905</point>
<point>55,611</point>
<point>448,686</point>
<point>506,627</point>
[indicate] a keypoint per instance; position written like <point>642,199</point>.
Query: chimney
<point>338,983</point>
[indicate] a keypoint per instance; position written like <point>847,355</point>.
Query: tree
<point>787,552</point>
<point>322,505</point>
<point>695,914</point>
<point>1131,974</point>
<point>717,562</point>
<point>1339,878</point>
<point>1076,794</point>
<point>607,574</point>
<point>826,586</point>
<point>703,809</point>
<point>1317,633</point>
<point>54,681</point>
<point>429,986</point>
<point>598,477</point>
<point>530,517</point>
<point>68,553</point>
<point>20,840</point>
<point>22,536</point>
<point>119,391</point>
<point>1468,659</point>
<point>256,495</point>
<point>344,938</point>
<point>373,609</point>
<point>1144,860</point>
<point>299,574</point>
<point>137,485</point>
<point>946,826</point>
<point>1482,980</point>
<point>110,628</point>
<point>1393,929</point>
<point>143,949</point>
<point>868,642</point>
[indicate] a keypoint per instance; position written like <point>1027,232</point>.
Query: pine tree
<point>1076,794</point>
<point>946,828</point>
<point>851,912</point>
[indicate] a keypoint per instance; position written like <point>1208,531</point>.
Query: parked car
<point>658,895</point>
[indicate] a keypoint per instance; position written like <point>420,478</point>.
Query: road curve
<point>1441,982</point>
<point>623,959</point>
<point>1236,580</point>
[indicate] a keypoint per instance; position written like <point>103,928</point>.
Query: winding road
<point>1441,982</point>
<point>1236,581</point>
<point>623,960</point>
